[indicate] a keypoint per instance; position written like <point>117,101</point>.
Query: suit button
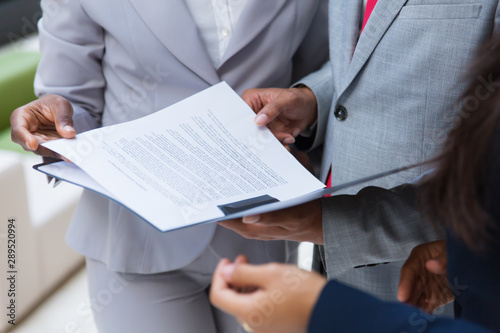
<point>340,113</point>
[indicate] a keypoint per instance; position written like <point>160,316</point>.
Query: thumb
<point>436,266</point>
<point>62,113</point>
<point>267,114</point>
<point>407,283</point>
<point>241,259</point>
<point>245,275</point>
<point>277,100</point>
<point>404,289</point>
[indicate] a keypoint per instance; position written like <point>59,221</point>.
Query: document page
<point>177,166</point>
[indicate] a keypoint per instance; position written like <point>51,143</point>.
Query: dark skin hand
<point>301,223</point>
<point>45,119</point>
<point>286,112</point>
<point>423,282</point>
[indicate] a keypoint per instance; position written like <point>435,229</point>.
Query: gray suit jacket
<point>398,84</point>
<point>118,60</point>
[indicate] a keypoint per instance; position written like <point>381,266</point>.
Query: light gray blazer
<point>118,60</point>
<point>398,84</point>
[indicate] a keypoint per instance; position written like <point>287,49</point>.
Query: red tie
<point>370,4</point>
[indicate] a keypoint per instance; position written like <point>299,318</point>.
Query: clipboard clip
<point>49,160</point>
<point>238,206</point>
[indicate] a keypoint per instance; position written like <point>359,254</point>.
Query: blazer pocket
<point>436,12</point>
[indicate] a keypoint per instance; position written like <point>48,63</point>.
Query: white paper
<point>174,167</point>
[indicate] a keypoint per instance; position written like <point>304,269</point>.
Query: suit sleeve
<point>370,227</point>
<point>344,309</point>
<point>72,46</point>
<point>312,68</point>
<point>321,84</point>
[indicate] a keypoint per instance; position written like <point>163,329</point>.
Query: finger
<point>285,138</point>
<point>220,285</point>
<point>258,231</point>
<point>257,276</point>
<point>436,266</point>
<point>275,218</point>
<point>231,301</point>
<point>240,227</point>
<point>407,282</point>
<point>23,137</point>
<point>220,272</point>
<point>251,219</point>
<point>262,119</point>
<point>409,276</point>
<point>241,259</point>
<point>20,129</point>
<point>223,296</point>
<point>63,116</point>
<point>279,222</point>
<point>272,109</point>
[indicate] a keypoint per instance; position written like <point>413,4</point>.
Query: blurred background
<point>50,288</point>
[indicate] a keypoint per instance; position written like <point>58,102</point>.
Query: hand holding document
<point>200,160</point>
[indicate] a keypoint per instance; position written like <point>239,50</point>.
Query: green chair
<point>17,72</point>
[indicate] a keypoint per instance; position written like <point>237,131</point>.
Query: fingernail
<point>250,219</point>
<point>228,271</point>
<point>289,141</point>
<point>68,128</point>
<point>296,132</point>
<point>261,119</point>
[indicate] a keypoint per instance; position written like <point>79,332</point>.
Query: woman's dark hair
<point>452,194</point>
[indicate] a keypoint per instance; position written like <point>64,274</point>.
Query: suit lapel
<point>343,37</point>
<point>256,16</point>
<point>380,20</point>
<point>171,22</point>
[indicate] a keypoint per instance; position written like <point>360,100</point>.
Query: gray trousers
<point>175,301</point>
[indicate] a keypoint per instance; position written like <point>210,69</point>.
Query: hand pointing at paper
<point>45,119</point>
